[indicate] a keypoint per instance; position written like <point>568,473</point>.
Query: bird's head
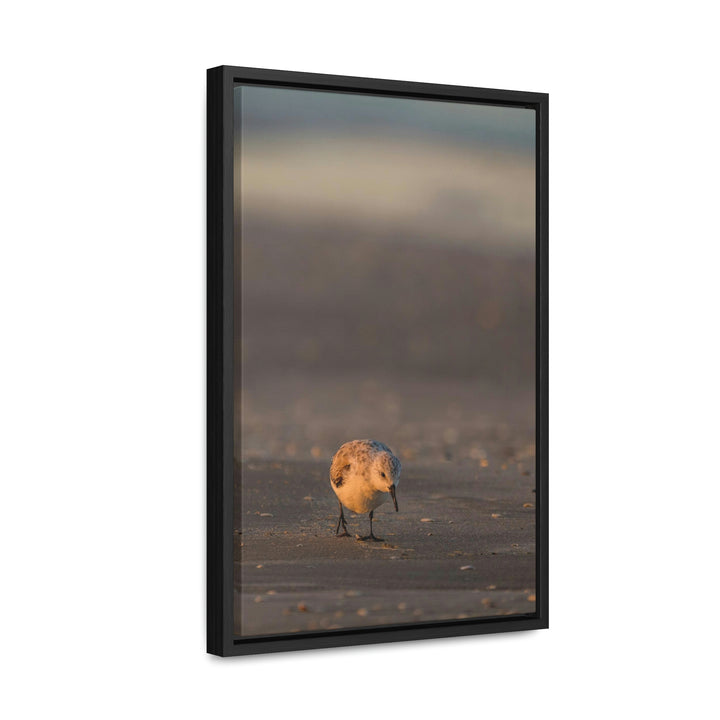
<point>385,474</point>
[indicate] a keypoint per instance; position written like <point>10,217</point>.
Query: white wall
<point>102,354</point>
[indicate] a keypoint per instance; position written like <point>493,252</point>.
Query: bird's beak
<point>392,494</point>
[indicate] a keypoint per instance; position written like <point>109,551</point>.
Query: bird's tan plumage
<point>364,475</point>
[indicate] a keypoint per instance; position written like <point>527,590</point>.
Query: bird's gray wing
<point>396,466</point>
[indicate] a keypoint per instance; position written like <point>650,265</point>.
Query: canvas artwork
<point>385,389</point>
<point>384,285</point>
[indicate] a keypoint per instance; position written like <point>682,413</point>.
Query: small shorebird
<point>363,474</point>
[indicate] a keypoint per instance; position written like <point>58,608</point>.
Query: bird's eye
<point>383,474</point>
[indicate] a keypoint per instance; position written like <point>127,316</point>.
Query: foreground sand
<point>462,545</point>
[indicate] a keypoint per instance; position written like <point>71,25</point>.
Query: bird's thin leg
<point>371,536</point>
<point>341,519</point>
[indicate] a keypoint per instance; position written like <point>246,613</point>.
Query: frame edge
<point>215,576</point>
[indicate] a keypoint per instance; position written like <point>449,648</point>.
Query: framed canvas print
<point>377,360</point>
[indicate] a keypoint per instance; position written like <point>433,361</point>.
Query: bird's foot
<point>344,533</point>
<point>370,538</point>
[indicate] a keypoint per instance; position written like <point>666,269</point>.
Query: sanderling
<point>363,474</point>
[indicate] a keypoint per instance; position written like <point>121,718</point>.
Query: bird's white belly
<point>359,496</point>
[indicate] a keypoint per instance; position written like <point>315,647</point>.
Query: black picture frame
<point>220,83</point>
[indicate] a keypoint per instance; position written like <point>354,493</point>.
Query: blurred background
<point>385,249</point>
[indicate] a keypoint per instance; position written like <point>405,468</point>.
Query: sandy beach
<point>462,545</point>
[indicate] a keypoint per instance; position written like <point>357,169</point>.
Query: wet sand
<point>462,546</point>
